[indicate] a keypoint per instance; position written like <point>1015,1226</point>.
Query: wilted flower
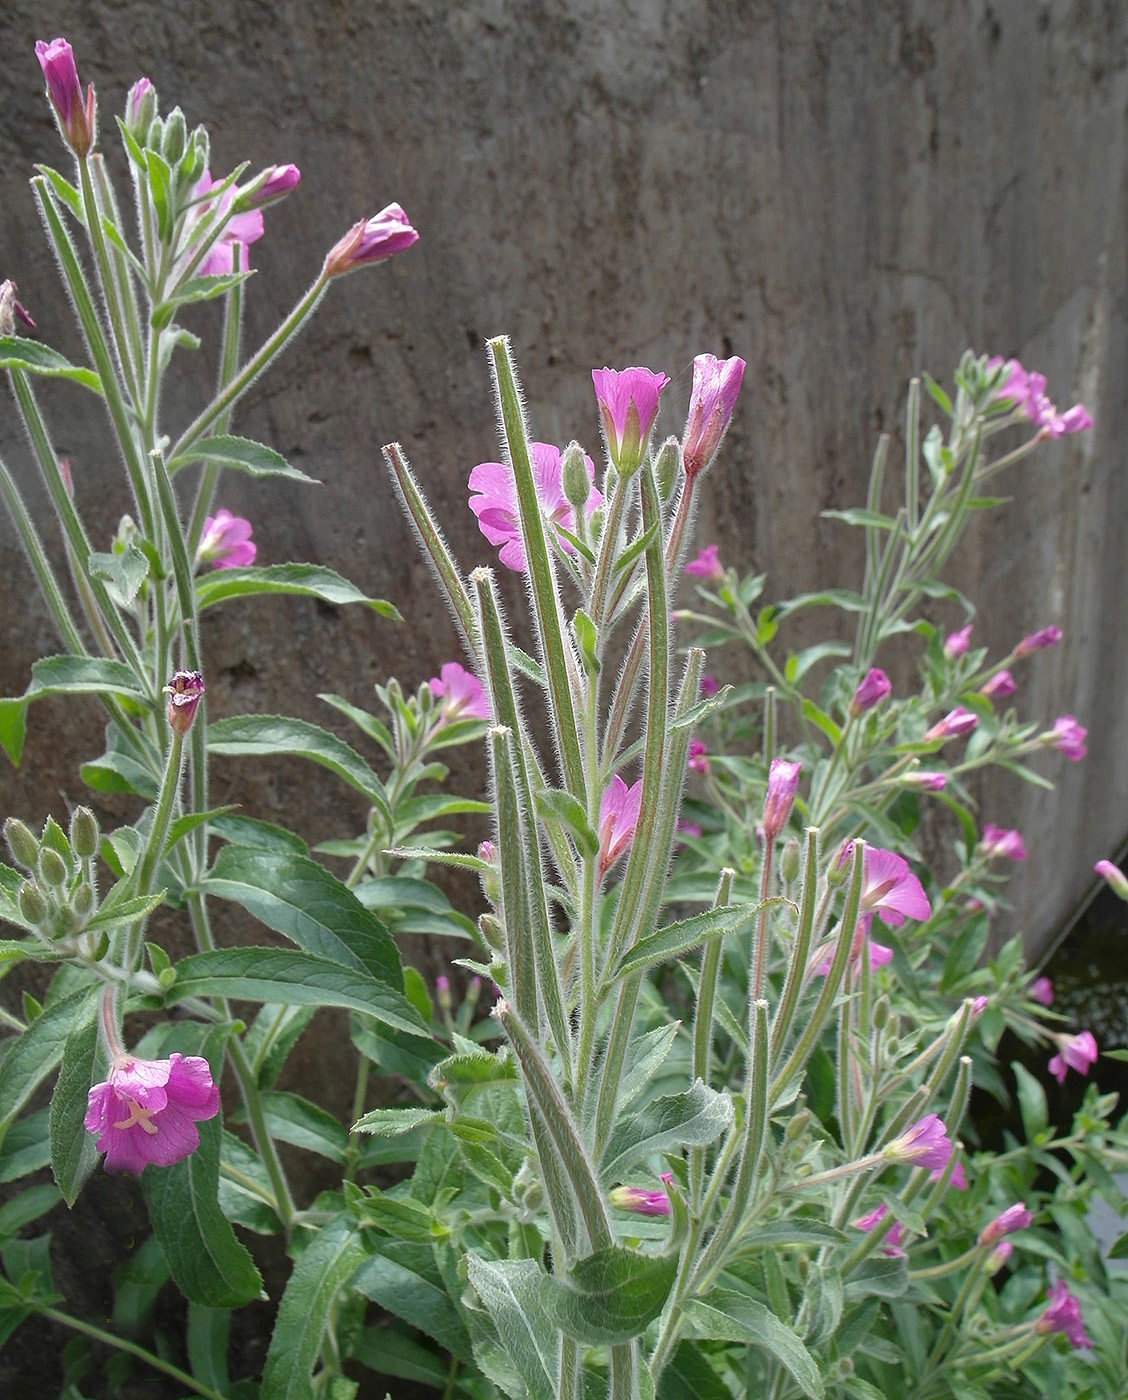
<point>1068,737</point>
<point>1015,1217</point>
<point>1063,1315</point>
<point>225,542</point>
<point>1041,990</point>
<point>618,817</point>
<point>1001,841</point>
<point>716,384</point>
<point>184,691</point>
<point>461,693</point>
<point>707,565</point>
<point>1039,641</point>
<point>371,241</point>
<point>495,501</point>
<point>955,724</point>
<point>639,1201</point>
<point>1117,880</point>
<point>783,782</point>
<point>1001,684</point>
<point>147,1111</point>
<point>925,1144</point>
<point>11,310</point>
<point>697,761</point>
<point>957,642</point>
<point>628,405</point>
<point>1075,1052</point>
<point>874,687</point>
<point>891,1244</point>
<point>75,113</point>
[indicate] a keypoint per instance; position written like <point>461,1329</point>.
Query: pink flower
<point>925,782</point>
<point>240,229</point>
<point>998,1257</point>
<point>486,852</point>
<point>978,1007</point>
<point>1039,641</point>
<point>1117,880</point>
<point>999,686</point>
<point>140,109</point>
<point>957,642</point>
<point>1028,390</point>
<point>891,1243</point>
<point>879,955</point>
<point>618,817</point>
<point>889,888</point>
<point>874,687</point>
<point>1041,990</point>
<point>1075,1052</point>
<point>1063,1315</point>
<point>999,841</point>
<point>184,691</point>
<point>75,113</point>
<point>697,762</point>
<point>783,782</point>
<point>461,693</point>
<point>690,829</point>
<point>495,503</point>
<point>639,1201</point>
<point>280,180</point>
<point>1068,737</point>
<point>716,384</point>
<point>925,1144</point>
<point>628,405</point>
<point>707,565</point>
<point>708,687</point>
<point>226,542</point>
<point>442,992</point>
<point>371,241</point>
<point>955,724</point>
<point>1015,1217</point>
<point>147,1111</point>
<point>958,1179</point>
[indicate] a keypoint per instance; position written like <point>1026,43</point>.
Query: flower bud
<point>789,861</point>
<point>666,467</point>
<point>32,904</point>
<point>21,843</point>
<point>796,1125</point>
<point>873,688</point>
<point>175,137</point>
<point>83,833</point>
<point>52,867</point>
<point>998,1257</point>
<point>880,1013</point>
<point>841,868</point>
<point>574,476</point>
<point>11,310</point>
<point>156,135</point>
<point>442,992</point>
<point>783,780</point>
<point>82,902</point>
<point>716,384</point>
<point>75,113</point>
<point>184,691</point>
<point>140,109</point>
<point>492,931</point>
<point>1117,882</point>
<point>369,241</point>
<point>194,161</point>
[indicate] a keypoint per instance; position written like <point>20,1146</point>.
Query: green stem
<point>106,279</point>
<point>256,1119</point>
<point>97,1334</point>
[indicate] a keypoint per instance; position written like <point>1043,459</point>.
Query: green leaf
<point>124,573</point>
<point>33,357</point>
<point>123,911</point>
<point>64,675</point>
<point>261,736</point>
<point>794,1230</point>
<point>246,1194</point>
<point>295,1120</point>
<point>513,1292</point>
<point>208,1331</point>
<point>395,1051</point>
<point>209,1264</point>
<point>295,979</point>
<point>732,1317</point>
<point>73,1155</point>
<point>272,1036</point>
<point>399,1216</point>
<point>877,1278</point>
<point>298,580</point>
<point>822,721</point>
<point>264,836</point>
<point>688,1376</point>
<point>35,1053</point>
<point>405,1279</point>
<point>610,1296</point>
<point>25,1207</point>
<point>856,515</point>
<point>27,1146</point>
<point>390,1353</point>
<point>560,808</point>
<point>241,454</point>
<point>675,939</point>
<point>798,665</point>
<point>295,896</point>
<point>392,1122</point>
<point>136,1285</point>
<point>1031,1102</point>
<point>693,1119</point>
<point>324,1267</point>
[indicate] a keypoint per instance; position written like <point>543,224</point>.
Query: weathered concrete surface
<point>840,193</point>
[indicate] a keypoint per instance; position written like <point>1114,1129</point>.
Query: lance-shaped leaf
<point>727,1316</point>
<point>675,939</point>
<point>298,580</point>
<point>36,1052</point>
<point>513,1292</point>
<point>405,1279</point>
<point>693,1119</point>
<point>35,358</point>
<point>610,1296</point>
<point>65,675</point>
<point>240,454</point>
<point>73,1154</point>
<point>393,1122</point>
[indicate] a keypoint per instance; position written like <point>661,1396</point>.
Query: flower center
<point>138,1117</point>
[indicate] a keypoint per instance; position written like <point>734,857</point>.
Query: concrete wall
<point>842,194</point>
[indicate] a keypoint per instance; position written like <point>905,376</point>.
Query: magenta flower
<point>1039,641</point>
<point>442,992</point>
<point>1063,1315</point>
<point>280,180</point>
<point>925,1144</point>
<point>783,782</point>
<point>955,724</point>
<point>925,782</point>
<point>628,405</point>
<point>1001,684</point>
<point>75,113</point>
<point>495,503</point>
<point>978,1007</point>
<point>879,955</point>
<point>998,1257</point>
<point>716,384</point>
<point>958,1179</point>
<point>226,542</point>
<point>1075,1052</point>
<point>147,1111</point>
<point>1015,1217</point>
<point>707,565</point>
<point>618,816</point>
<point>1041,990</point>
<point>1001,841</point>
<point>698,762</point>
<point>891,1244</point>
<point>1117,880</point>
<point>1028,390</point>
<point>957,642</point>
<point>639,1201</point>
<point>184,691</point>
<point>371,241</point>
<point>1068,737</point>
<point>874,687</point>
<point>690,829</point>
<point>708,687</point>
<point>461,693</point>
<point>140,108</point>
<point>11,310</point>
<point>240,229</point>
<point>889,888</point>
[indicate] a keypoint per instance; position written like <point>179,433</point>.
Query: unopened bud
<point>797,1125</point>
<point>442,992</point>
<point>21,843</point>
<point>892,1045</point>
<point>175,136</point>
<point>789,861</point>
<point>194,161</point>
<point>156,134</point>
<point>840,870</point>
<point>32,904</point>
<point>83,902</point>
<point>425,698</point>
<point>666,466</point>
<point>83,833</point>
<point>492,932</point>
<point>52,867</point>
<point>140,109</point>
<point>881,1012</point>
<point>574,477</point>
